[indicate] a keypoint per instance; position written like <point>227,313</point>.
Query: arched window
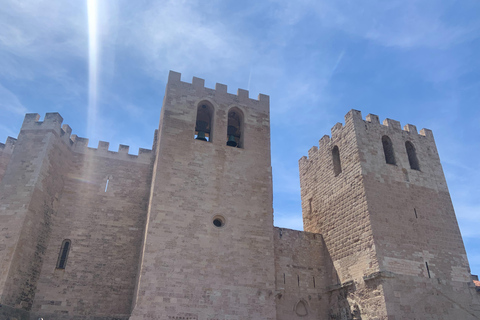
<point>412,155</point>
<point>204,123</point>
<point>388,150</point>
<point>235,128</point>
<point>63,255</point>
<point>337,166</point>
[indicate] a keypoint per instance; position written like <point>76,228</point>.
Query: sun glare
<point>92,65</point>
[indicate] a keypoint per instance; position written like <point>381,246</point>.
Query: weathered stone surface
<point>389,228</point>
<point>185,230</point>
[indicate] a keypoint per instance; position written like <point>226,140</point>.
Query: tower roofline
<point>371,119</point>
<point>198,84</point>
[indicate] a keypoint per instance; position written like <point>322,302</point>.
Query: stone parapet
<point>53,122</point>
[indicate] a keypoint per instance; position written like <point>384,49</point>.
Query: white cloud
<point>9,102</point>
<point>39,29</point>
<point>179,35</point>
<point>398,23</point>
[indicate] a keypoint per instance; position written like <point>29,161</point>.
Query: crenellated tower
<point>378,196</point>
<point>208,247</point>
<point>54,189</point>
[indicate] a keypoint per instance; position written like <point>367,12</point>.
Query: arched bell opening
<point>204,122</point>
<point>388,150</point>
<point>235,128</point>
<point>412,156</point>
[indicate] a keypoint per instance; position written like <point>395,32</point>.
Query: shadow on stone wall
<point>341,296</point>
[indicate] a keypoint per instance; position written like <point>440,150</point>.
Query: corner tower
<point>208,247</point>
<point>378,195</point>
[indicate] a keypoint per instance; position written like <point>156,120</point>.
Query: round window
<point>218,221</point>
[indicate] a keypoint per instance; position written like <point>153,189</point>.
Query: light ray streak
<point>92,66</point>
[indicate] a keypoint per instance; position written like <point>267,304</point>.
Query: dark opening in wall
<point>428,269</point>
<point>388,150</point>
<point>412,156</point>
<point>235,128</point>
<point>204,122</point>
<point>337,166</point>
<point>63,255</point>
<point>218,221</point>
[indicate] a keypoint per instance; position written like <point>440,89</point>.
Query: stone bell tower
<point>378,195</point>
<point>208,246</point>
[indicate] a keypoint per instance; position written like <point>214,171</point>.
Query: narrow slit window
<point>412,156</point>
<point>106,185</point>
<point>204,122</point>
<point>235,128</point>
<point>388,150</point>
<point>284,278</point>
<point>415,210</point>
<point>428,269</point>
<point>63,255</point>
<point>337,166</point>
<point>298,280</point>
<point>314,282</point>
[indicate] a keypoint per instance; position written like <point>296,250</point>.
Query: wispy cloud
<point>9,102</point>
<point>403,24</point>
<point>180,35</point>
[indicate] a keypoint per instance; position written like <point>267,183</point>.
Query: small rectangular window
<point>428,269</point>
<point>63,255</point>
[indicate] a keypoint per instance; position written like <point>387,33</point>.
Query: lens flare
<point>92,66</point>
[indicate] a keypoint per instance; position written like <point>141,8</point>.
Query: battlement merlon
<point>242,97</point>
<point>53,121</point>
<point>80,145</point>
<point>8,146</point>
<point>355,117</point>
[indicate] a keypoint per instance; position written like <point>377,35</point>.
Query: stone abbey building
<point>185,230</point>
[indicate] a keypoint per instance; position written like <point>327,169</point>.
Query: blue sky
<point>412,61</point>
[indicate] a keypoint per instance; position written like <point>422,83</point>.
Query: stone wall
<point>105,225</point>
<point>388,222</point>
<point>302,275</point>
<point>192,269</point>
<point>335,205</point>
<point>54,189</point>
<point>185,231</point>
<point>27,203</point>
<point>414,225</point>
<point>6,150</point>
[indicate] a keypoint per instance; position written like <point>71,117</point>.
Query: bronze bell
<point>231,130</point>
<point>231,141</point>
<point>201,127</point>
